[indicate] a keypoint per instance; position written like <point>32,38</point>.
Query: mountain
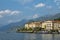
<point>13,26</point>
<point>56,16</point>
<point>47,17</point>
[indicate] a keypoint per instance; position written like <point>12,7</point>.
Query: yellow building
<point>56,25</point>
<point>33,24</point>
<point>51,25</point>
<point>47,25</point>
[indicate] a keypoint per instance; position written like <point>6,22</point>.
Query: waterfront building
<point>46,25</point>
<point>51,25</point>
<point>56,25</point>
<point>33,24</point>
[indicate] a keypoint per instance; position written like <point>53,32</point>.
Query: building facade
<point>33,24</point>
<point>51,25</point>
<point>56,25</point>
<point>46,25</point>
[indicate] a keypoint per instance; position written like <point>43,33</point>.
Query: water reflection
<point>28,36</point>
<point>56,37</point>
<point>46,37</point>
<point>42,37</point>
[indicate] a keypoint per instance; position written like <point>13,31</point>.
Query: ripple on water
<point>28,36</point>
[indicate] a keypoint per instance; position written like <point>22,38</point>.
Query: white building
<point>50,25</point>
<point>33,24</point>
<point>47,25</point>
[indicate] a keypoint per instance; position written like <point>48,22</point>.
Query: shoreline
<point>39,32</point>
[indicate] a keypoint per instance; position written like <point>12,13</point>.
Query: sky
<point>16,10</point>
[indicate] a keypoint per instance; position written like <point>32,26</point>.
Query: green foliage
<point>37,29</point>
<point>54,30</point>
<point>30,29</point>
<point>57,19</point>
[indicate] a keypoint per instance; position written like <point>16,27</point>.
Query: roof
<point>34,22</point>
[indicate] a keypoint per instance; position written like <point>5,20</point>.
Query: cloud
<point>15,12</point>
<point>9,12</point>
<point>32,16</point>
<point>4,11</point>
<point>40,5</point>
<point>35,16</point>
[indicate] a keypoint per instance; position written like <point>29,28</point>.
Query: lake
<point>28,36</point>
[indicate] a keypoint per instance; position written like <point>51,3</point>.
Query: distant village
<point>45,25</point>
<point>48,26</point>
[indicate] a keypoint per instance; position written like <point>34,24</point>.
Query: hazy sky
<point>16,10</point>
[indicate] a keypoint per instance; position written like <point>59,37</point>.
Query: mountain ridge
<point>22,22</point>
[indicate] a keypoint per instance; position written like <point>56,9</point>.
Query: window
<point>48,25</point>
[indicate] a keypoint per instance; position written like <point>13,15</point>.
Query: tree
<point>57,19</point>
<point>37,29</point>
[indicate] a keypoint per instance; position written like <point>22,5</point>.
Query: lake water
<point>28,36</point>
